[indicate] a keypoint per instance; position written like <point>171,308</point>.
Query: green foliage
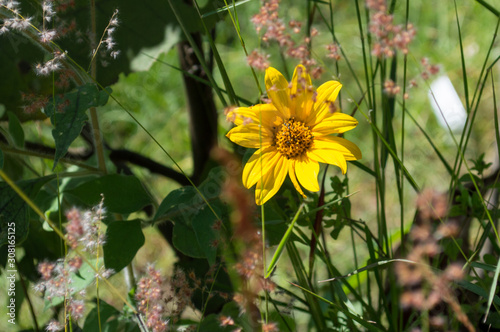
<point>13,209</point>
<point>141,28</point>
<point>211,247</point>
<point>107,317</point>
<point>195,222</point>
<point>122,193</point>
<point>80,280</point>
<point>15,129</point>
<point>68,115</point>
<point>123,239</point>
<point>480,165</point>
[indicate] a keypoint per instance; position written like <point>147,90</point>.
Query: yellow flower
<point>292,134</point>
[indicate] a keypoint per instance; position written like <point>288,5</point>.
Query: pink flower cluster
<point>57,282</point>
<point>84,228</point>
<point>150,297</point>
<point>333,51</point>
<point>429,69</point>
<point>33,102</point>
<point>258,60</point>
<point>389,37</point>
<point>275,29</point>
<point>391,88</point>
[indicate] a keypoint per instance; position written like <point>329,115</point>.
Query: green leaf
<point>187,200</point>
<point>490,259</point>
<point>68,115</point>
<point>14,210</point>
<point>1,159</point>
<point>476,289</point>
<point>15,129</point>
<point>202,225</point>
<point>169,207</point>
<point>123,239</point>
<point>486,267</point>
<point>184,239</point>
<point>193,232</point>
<point>106,311</point>
<point>122,193</point>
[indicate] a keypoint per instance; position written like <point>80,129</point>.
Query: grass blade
<point>282,243</point>
<point>493,288</point>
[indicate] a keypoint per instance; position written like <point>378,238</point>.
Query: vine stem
<point>96,134</point>
<point>94,120</point>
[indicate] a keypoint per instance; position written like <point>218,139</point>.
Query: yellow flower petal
<point>307,172</point>
<point>271,181</point>
<point>254,167</point>
<point>249,136</point>
<point>327,94</point>
<point>278,91</point>
<point>348,149</point>
<point>301,93</point>
<point>289,145</point>
<point>267,114</point>
<point>334,124</point>
<point>293,177</point>
<point>329,157</point>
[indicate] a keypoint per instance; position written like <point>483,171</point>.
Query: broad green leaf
<point>123,239</point>
<point>193,219</point>
<point>68,115</point>
<point>187,200</point>
<point>206,236</point>
<point>490,259</point>
<point>122,193</point>
<point>14,210</point>
<point>15,129</point>
<point>106,311</point>
<point>13,167</point>
<point>169,206</point>
<point>194,235</point>
<point>184,239</point>
<point>39,246</point>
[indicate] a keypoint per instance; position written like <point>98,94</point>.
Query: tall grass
<point>406,241</point>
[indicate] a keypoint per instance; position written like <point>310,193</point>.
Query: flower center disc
<point>293,138</point>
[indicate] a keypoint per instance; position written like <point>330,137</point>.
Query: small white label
<point>446,104</point>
